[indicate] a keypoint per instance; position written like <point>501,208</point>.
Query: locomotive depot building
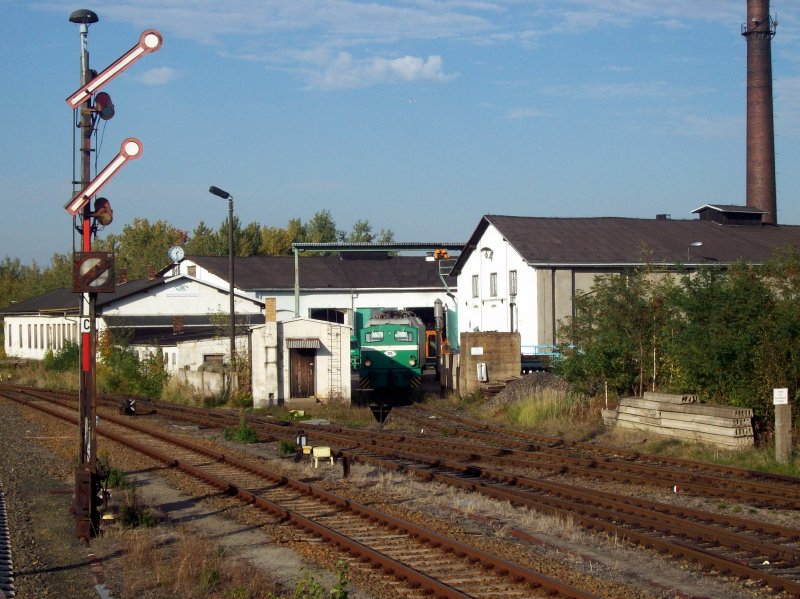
<point>297,339</point>
<point>295,315</point>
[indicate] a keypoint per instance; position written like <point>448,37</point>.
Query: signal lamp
<point>104,106</point>
<point>367,362</point>
<point>412,361</point>
<point>102,211</point>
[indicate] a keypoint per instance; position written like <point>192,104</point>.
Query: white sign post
<point>783,425</point>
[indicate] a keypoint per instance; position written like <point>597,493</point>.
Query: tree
<point>321,229</point>
<point>362,233</point>
<point>142,244</point>
<point>615,338</point>
<point>717,331</point>
<point>205,242</point>
<point>277,241</point>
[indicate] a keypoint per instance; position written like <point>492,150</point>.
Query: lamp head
<point>83,16</point>
<point>219,192</point>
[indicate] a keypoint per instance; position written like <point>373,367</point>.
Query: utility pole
<point>87,479</point>
<point>93,272</point>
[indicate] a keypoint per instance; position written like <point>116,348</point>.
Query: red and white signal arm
<point>130,149</point>
<point>149,41</point>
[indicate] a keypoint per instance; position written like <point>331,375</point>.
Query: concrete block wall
<point>501,352</point>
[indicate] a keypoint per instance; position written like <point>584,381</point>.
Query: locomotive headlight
<point>412,360</point>
<point>367,362</point>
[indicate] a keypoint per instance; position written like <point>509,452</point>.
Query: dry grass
<point>177,562</point>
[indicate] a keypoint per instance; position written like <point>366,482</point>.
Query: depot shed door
<point>301,372</point>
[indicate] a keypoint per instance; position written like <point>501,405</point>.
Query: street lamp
<point>694,244</point>
<point>226,196</point>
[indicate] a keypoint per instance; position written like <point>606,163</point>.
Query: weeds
<point>308,587</point>
<point>242,434</point>
<point>286,448</point>
<point>116,479</point>
<point>135,514</point>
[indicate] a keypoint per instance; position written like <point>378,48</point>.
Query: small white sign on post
<point>86,325</point>
<point>780,397</point>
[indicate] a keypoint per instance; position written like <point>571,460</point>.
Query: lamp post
<point>694,244</point>
<point>226,196</point>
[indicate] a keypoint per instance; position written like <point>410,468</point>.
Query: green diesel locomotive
<point>392,352</point>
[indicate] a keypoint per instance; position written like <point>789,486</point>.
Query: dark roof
<point>161,329</point>
<point>611,241</point>
<point>327,272</point>
<point>66,300</point>
<point>58,300</point>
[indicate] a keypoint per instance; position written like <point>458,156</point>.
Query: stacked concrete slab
<point>683,417</point>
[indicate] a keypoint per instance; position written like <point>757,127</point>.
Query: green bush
<point>63,360</point>
<point>120,371</point>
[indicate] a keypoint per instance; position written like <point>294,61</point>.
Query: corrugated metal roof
<point>303,343</point>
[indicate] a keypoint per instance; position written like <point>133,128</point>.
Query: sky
<point>419,116</point>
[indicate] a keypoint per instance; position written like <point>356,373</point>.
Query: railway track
<point>7,589</point>
<point>764,553</point>
<point>595,461</point>
<point>419,558</point>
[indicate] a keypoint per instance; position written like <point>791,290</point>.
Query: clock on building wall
<point>175,253</point>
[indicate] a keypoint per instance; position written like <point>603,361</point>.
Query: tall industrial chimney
<point>759,31</point>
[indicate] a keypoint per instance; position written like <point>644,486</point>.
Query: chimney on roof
<point>759,31</point>
<point>151,272</point>
<point>122,276</point>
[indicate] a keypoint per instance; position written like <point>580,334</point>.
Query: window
<point>36,336</point>
<point>213,358</point>
<point>512,282</point>
<point>474,285</point>
<point>493,284</point>
<point>374,336</point>
<point>10,338</point>
<point>327,314</point>
<point>403,336</point>
<point>30,341</point>
<point>20,335</point>
<point>191,271</point>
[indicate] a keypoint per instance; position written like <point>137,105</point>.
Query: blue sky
<point>417,115</point>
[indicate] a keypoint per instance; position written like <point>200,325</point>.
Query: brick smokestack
<point>759,31</point>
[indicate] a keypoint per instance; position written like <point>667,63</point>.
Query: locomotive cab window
<point>374,336</point>
<point>403,336</point>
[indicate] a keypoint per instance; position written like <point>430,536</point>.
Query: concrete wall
<point>499,351</point>
<point>181,296</point>
<point>266,366</point>
<point>30,337</point>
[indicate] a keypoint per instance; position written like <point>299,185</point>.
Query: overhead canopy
<point>303,343</point>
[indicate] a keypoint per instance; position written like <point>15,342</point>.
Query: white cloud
<point>158,76</point>
<point>345,71</point>
<point>605,91</point>
<point>523,113</point>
